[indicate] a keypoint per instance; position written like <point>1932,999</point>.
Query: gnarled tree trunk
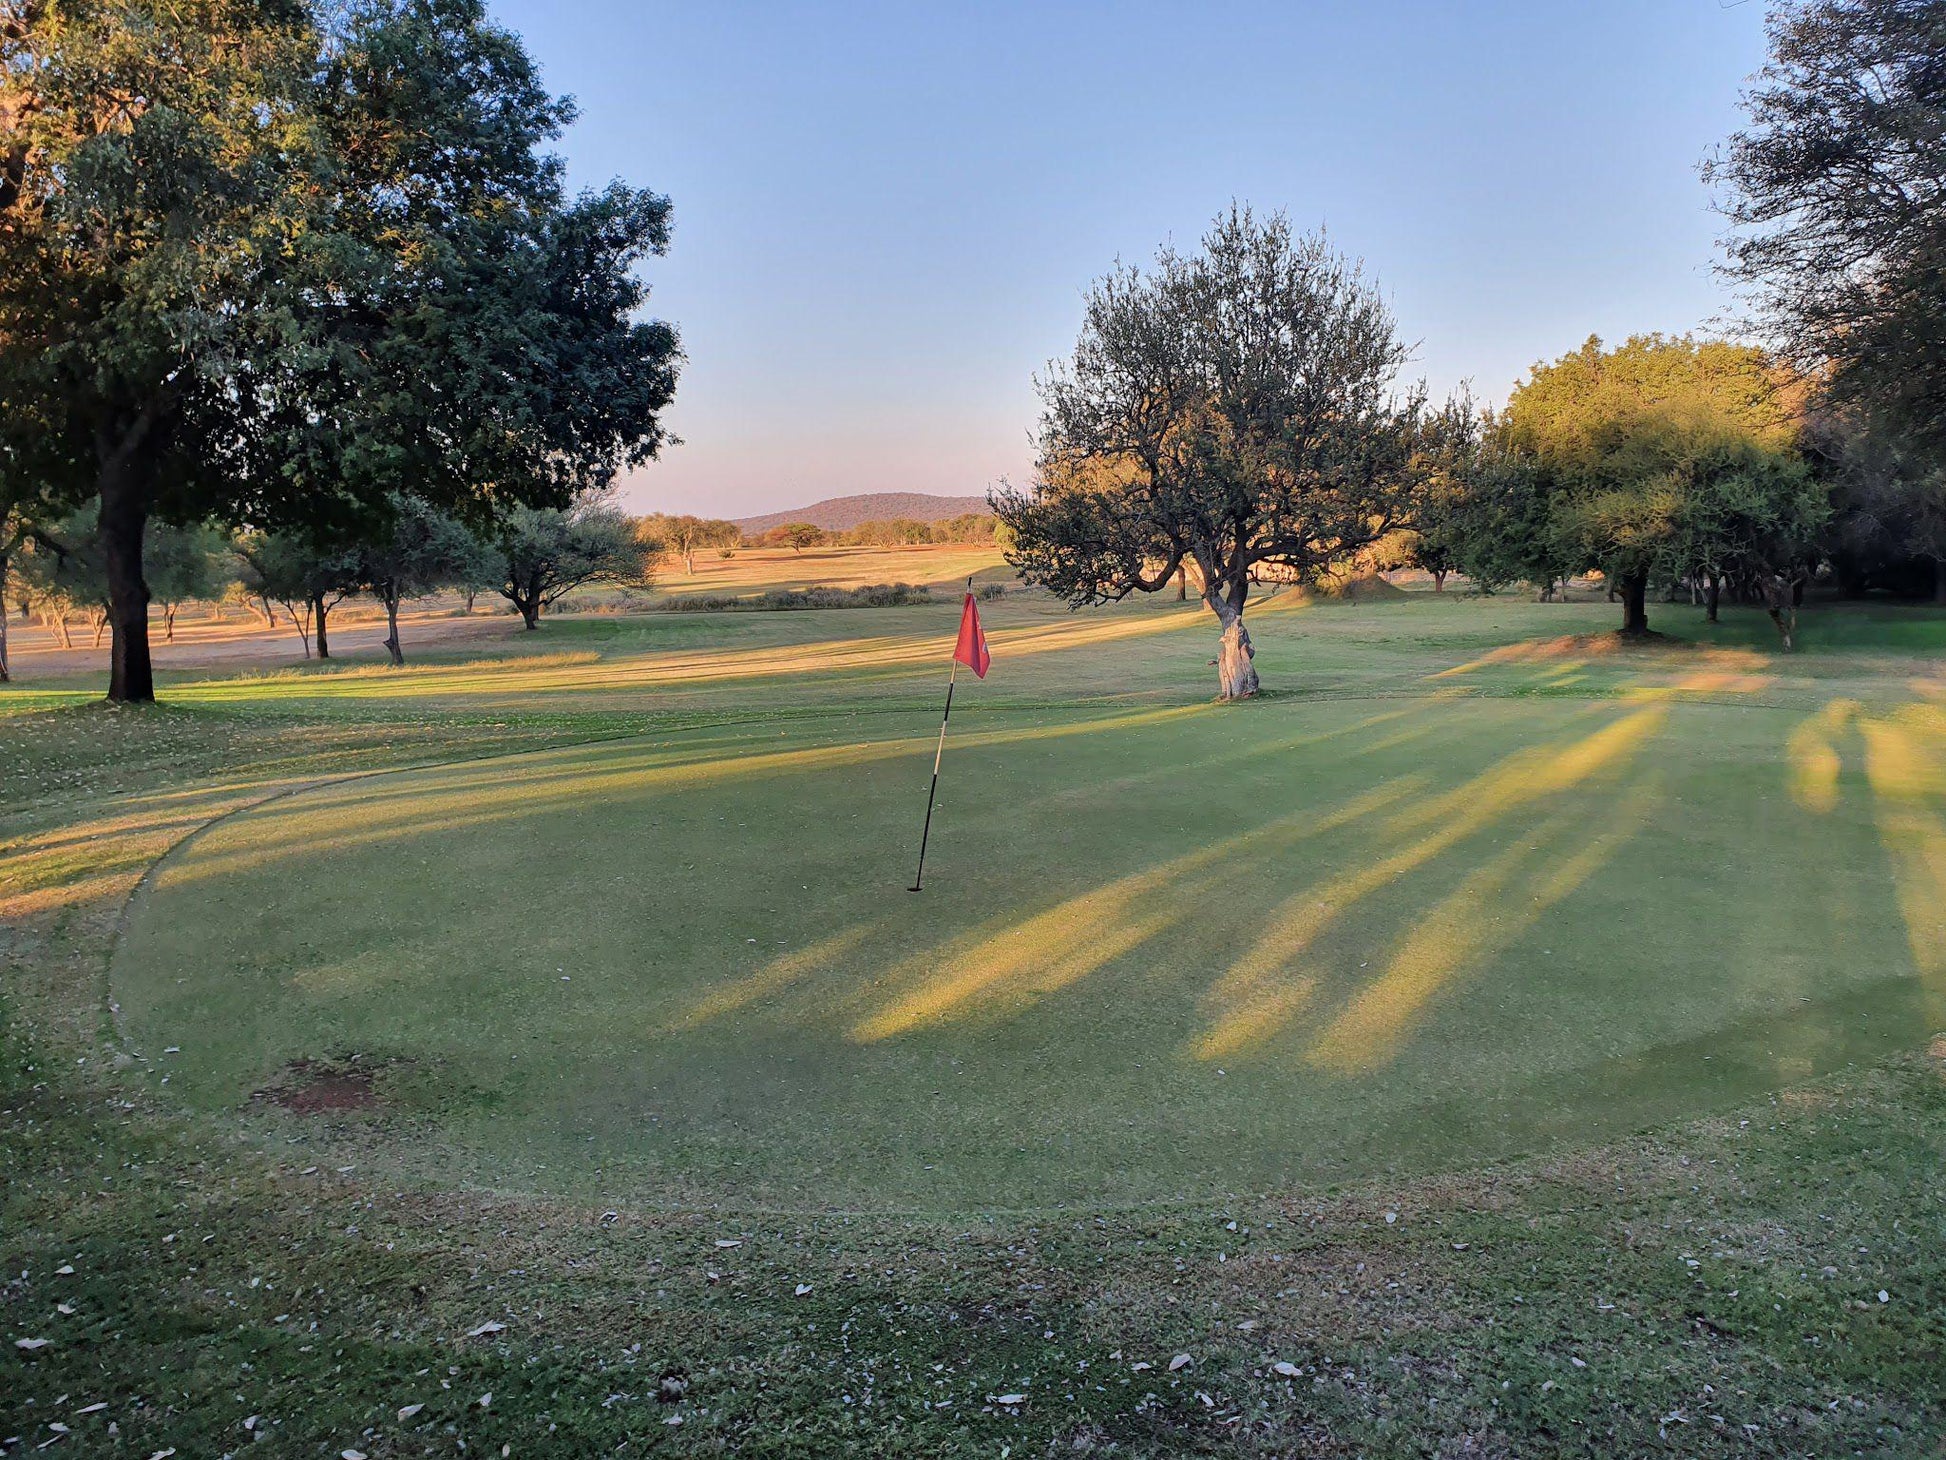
<point>1235,673</point>
<point>319,610</point>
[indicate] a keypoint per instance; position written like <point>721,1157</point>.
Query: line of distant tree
<point>968,528</point>
<point>531,557</point>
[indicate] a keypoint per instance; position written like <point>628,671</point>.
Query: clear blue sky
<point>886,214</point>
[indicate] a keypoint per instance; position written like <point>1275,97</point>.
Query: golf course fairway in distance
<point>1164,951</point>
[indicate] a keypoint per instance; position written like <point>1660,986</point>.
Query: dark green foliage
<point>1837,188</point>
<point>324,256</point>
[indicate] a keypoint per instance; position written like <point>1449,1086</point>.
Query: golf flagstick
<point>971,650</point>
<point>919,877</point>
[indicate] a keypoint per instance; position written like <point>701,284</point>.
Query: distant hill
<point>840,514</point>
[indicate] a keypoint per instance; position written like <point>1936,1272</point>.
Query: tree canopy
<point>1234,408</point>
<point>271,263</point>
<point>1662,458</point>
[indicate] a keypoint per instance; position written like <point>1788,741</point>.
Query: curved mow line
<point>144,885</point>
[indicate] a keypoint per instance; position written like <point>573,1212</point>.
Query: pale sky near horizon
<point>886,215</point>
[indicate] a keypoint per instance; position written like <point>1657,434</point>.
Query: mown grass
<point>1452,1328</point>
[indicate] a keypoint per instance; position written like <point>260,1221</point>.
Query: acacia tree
<point>264,262</point>
<point>308,580</point>
<point>546,554</point>
<point>686,535</point>
<point>420,551</point>
<point>1233,409</point>
<point>1661,457</point>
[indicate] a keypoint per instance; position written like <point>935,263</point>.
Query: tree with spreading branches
<point>544,554</point>
<point>1234,409</point>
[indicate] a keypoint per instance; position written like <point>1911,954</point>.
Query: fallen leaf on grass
<point>490,1326</point>
<point>1288,1370</point>
<point>409,1410</point>
<point>802,1289</point>
<point>30,1344</point>
<point>1180,1361</point>
<point>1011,1399</point>
<point>729,1241</point>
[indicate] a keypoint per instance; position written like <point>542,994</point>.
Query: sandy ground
<point>237,642</point>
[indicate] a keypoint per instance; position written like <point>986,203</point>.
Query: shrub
<point>875,595</point>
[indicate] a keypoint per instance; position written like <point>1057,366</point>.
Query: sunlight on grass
<point>1477,922</point>
<point>1813,760</point>
<point>1258,995</point>
<point>1017,961</point>
<point>1903,764</point>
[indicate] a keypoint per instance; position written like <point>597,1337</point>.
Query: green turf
<point>211,1276</point>
<point>1454,889</point>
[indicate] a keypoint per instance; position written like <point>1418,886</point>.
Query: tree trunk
<point>392,645</point>
<point>58,623</point>
<point>1236,675</point>
<point>1182,585</point>
<point>1635,606</point>
<point>530,611</point>
<point>169,623</point>
<point>1715,596</point>
<point>6,674</point>
<point>1939,580</point>
<point>301,624</point>
<point>688,566</point>
<point>319,609</point>
<point>470,594</point>
<point>124,514</point>
<point>1439,580</point>
<point>264,611</point>
<point>99,618</point>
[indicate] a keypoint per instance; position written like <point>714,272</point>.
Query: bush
<point>875,595</point>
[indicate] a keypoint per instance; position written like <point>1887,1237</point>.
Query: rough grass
<point>1717,1280</point>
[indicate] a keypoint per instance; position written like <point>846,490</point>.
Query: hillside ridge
<point>840,514</point>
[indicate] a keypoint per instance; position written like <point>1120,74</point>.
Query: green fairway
<point>1456,889</point>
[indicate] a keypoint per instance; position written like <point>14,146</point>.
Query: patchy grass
<point>1709,1287</point>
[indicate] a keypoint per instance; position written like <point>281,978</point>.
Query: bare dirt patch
<point>320,1087</point>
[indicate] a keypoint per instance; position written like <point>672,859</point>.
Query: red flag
<point>972,647</point>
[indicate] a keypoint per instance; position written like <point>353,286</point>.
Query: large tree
<point>266,262</point>
<point>1837,190</point>
<point>1662,458</point>
<point>1232,408</point>
<point>545,554</point>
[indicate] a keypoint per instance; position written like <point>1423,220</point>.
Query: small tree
<point>419,551</point>
<point>1233,409</point>
<point>545,555</point>
<point>308,580</point>
<point>685,535</point>
<point>183,563</point>
<point>801,535</point>
<point>1629,447</point>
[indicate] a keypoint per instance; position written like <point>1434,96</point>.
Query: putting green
<point>1165,952</point>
